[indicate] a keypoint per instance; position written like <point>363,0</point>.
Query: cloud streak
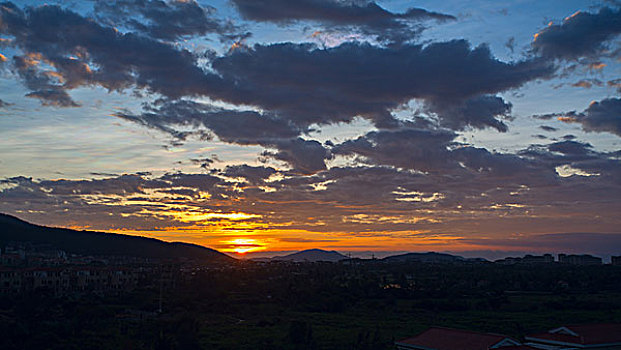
<point>367,16</point>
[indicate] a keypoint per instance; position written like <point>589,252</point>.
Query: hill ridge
<point>313,255</point>
<point>14,229</point>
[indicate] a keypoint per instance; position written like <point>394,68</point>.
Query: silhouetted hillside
<point>13,229</point>
<point>430,257</point>
<point>312,255</point>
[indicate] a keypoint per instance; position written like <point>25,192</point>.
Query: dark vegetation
<point>248,305</point>
<point>222,303</point>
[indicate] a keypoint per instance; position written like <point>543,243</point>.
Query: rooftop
<point>591,334</point>
<point>439,338</point>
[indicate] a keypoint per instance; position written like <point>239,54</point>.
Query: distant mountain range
<point>431,257</point>
<point>310,255</point>
<point>13,229</point>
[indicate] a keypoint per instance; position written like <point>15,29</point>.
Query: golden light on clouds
<point>199,216</point>
<point>243,245</point>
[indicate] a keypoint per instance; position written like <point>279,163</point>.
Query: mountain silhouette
<point>13,229</point>
<point>312,255</point>
<point>431,257</point>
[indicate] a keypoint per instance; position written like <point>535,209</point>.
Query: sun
<point>244,245</point>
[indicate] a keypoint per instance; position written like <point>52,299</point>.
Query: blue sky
<point>479,122</point>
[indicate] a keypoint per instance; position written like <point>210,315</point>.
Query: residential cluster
<point>572,259</point>
<point>25,268</point>
<point>591,336</point>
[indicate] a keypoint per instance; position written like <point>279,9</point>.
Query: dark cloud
<point>571,147</point>
<point>310,85</point>
<point>121,185</point>
<point>204,163</point>
<point>435,153</point>
<point>424,150</point>
<point>600,116</point>
<point>54,97</point>
<point>305,156</point>
<point>296,84</point>
<point>548,128</point>
<point>548,116</point>
<point>232,126</point>
<point>201,182</point>
<point>252,174</point>
<point>366,15</point>
<point>239,127</point>
<point>167,20</point>
<point>580,35</point>
<point>41,83</point>
<point>478,112</point>
<point>82,53</point>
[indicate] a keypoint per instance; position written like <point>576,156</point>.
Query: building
<point>584,259</point>
<point>527,259</point>
<point>592,336</point>
<point>538,259</point>
<point>439,338</point>
<point>615,260</point>
<point>69,279</point>
<point>10,281</point>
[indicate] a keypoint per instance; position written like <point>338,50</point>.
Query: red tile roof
<point>591,334</point>
<point>453,339</point>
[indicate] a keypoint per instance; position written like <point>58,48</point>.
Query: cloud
<point>307,85</point>
<point>167,20</point>
<point>41,82</point>
<point>84,53</point>
<point>54,97</point>
<point>365,15</point>
<point>252,174</point>
<point>239,127</point>
<point>581,35</point>
<point>600,116</point>
<point>305,156</point>
<point>570,147</point>
<point>310,85</point>
<point>588,83</point>
<point>478,112</point>
<point>435,152</point>
<point>202,182</point>
<point>548,128</point>
<point>120,185</point>
<point>475,192</point>
<point>424,150</point>
<point>232,126</point>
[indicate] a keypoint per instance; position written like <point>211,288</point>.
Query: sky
<point>257,128</point>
